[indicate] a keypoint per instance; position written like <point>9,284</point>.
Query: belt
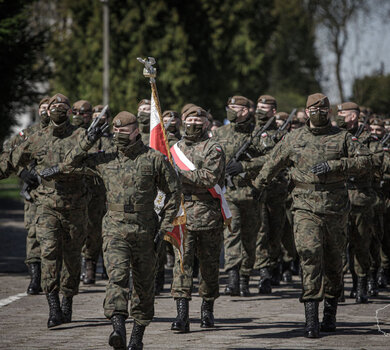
<point>129,208</point>
<point>71,185</point>
<point>320,187</point>
<point>197,197</point>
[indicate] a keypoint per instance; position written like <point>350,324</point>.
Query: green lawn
<point>10,188</point>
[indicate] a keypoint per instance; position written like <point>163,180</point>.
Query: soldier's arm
<point>210,173</point>
<point>358,160</point>
<point>169,183</point>
<point>276,161</point>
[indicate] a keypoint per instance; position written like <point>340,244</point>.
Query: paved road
<point>257,322</point>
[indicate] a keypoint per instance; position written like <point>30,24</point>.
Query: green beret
<point>83,106</point>
<point>347,106</point>
<point>195,111</point>
<point>239,100</point>
<point>317,100</point>
<point>144,102</point>
<point>59,98</point>
<point>44,100</point>
<point>377,121</point>
<point>170,114</point>
<point>124,118</point>
<point>267,99</point>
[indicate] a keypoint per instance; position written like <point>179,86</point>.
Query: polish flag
<point>158,141</point>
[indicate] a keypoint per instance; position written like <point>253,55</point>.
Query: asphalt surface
<point>275,321</point>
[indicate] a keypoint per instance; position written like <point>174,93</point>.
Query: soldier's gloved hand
<point>30,178</point>
<point>95,132</point>
<point>234,168</point>
<point>49,172</point>
<point>320,168</point>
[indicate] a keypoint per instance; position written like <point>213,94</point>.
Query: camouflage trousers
<point>126,243</point>
<point>319,240</point>
<point>61,234</point>
<point>240,244</point>
<point>93,240</point>
<point>359,237</point>
<point>289,252</point>
<point>269,237</point>
<point>376,242</point>
<point>33,249</point>
<point>385,246</point>
<point>207,247</point>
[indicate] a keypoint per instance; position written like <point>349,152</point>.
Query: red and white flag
<point>217,192</point>
<point>159,142</point>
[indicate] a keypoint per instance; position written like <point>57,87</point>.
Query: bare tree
<point>334,16</point>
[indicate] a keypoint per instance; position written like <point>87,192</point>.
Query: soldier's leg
<point>375,256</point>
<point>233,250</point>
<point>161,261</point>
<point>49,234</point>
<point>93,240</point>
<point>385,247</point>
<point>308,235</point>
<point>73,237</point>
<point>209,245</point>
<point>143,262</point>
<point>262,259</point>
<point>33,249</point>
<point>182,283</point>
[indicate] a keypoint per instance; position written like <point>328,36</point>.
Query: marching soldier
<point>60,215</point>
<point>201,164</point>
<point>143,118</point>
<point>82,114</point>
<point>321,157</point>
<point>132,173</point>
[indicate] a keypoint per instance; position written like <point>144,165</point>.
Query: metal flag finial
<point>149,70</point>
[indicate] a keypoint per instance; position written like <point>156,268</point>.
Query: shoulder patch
<point>354,138</point>
<point>22,134</point>
<point>218,148</point>
<point>264,134</point>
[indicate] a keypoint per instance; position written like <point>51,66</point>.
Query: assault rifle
<point>26,189</point>
<point>285,124</point>
<point>243,149</point>
<point>363,125</point>
<point>385,138</point>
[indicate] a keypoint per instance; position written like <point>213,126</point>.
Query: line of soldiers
<point>299,188</point>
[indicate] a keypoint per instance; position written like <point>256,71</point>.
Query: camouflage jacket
<point>305,147</point>
<point>231,137</point>
<point>209,160</point>
<point>46,148</point>
<point>131,181</point>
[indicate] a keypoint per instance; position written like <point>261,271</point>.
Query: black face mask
<point>194,131</point>
<point>231,115</point>
<point>340,121</point>
<point>261,115</point>
<point>319,118</point>
<point>172,128</point>
<point>58,114</point>
<point>45,119</point>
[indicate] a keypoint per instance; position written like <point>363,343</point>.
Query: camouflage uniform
<point>385,247</point>
<point>240,244</point>
<point>204,219</point>
<point>130,224</point>
<point>320,203</point>
<point>60,216</point>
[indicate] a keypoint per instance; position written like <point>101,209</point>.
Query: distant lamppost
<point>106,52</point>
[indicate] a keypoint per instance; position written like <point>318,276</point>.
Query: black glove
<point>30,178</point>
<point>49,172</point>
<point>95,132</point>
<point>320,168</point>
<point>234,168</point>
<point>158,239</point>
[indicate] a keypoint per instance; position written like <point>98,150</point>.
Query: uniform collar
<point>319,130</point>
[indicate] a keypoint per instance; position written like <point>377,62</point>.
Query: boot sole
<point>116,342</point>
<point>54,324</point>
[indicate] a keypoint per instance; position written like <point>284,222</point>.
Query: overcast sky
<point>367,49</point>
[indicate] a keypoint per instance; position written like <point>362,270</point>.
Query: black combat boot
<point>182,321</point>
<point>244,286</point>
<point>382,277</point>
<point>55,314</point>
<point>312,328</point>
<point>82,272</point>
<point>35,273</point>
<point>265,282</point>
<point>66,307</point>
<point>159,282</point>
<point>136,337</point>
<point>275,277</point>
<point>206,314</point>
<point>287,274</point>
<point>372,286</point>
<point>90,272</point>
<point>361,291</point>
<point>117,338</point>
<point>232,287</point>
<point>354,286</point>
<point>328,323</point>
